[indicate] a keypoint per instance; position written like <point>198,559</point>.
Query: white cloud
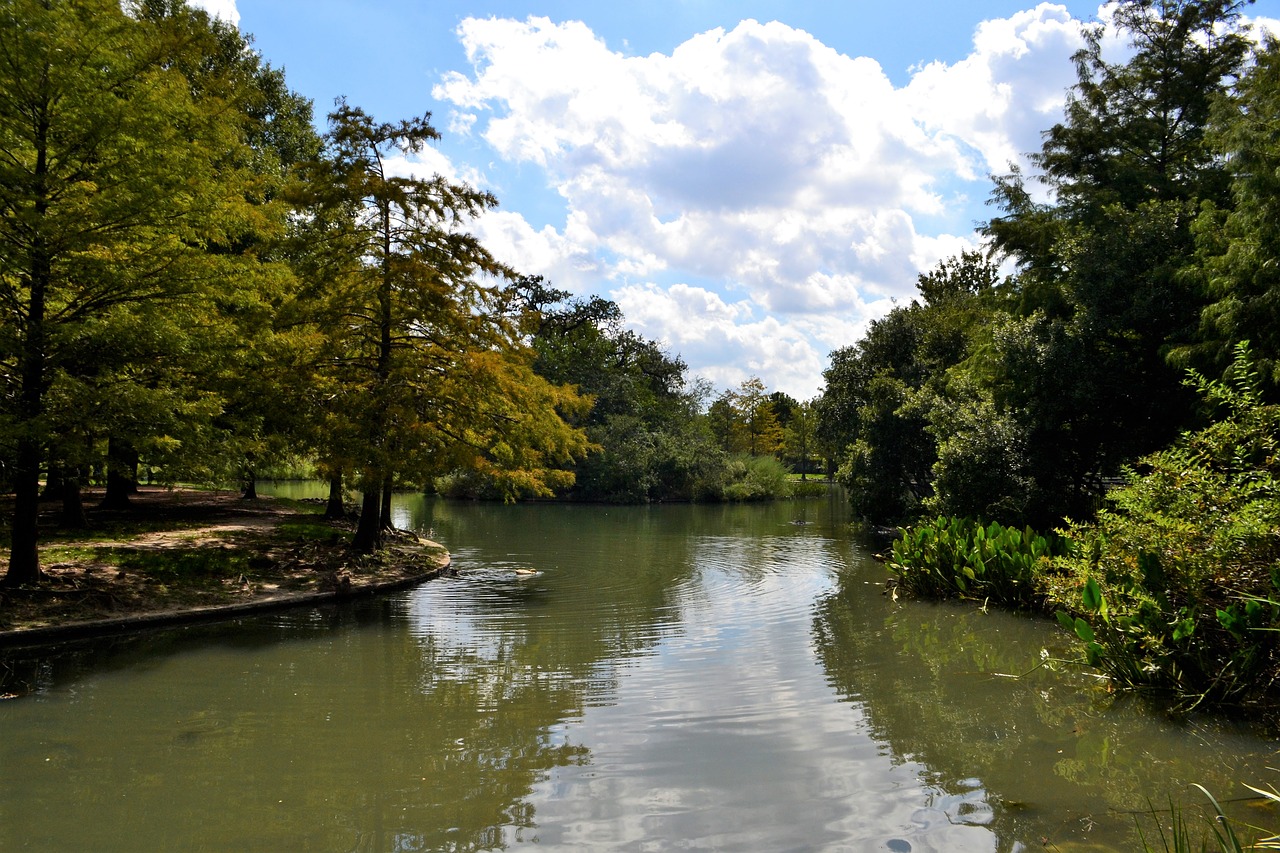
<point>999,98</point>
<point>224,9</point>
<point>728,342</point>
<point>758,162</point>
<point>1263,26</point>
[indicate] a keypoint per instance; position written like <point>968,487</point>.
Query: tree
<point>432,374</point>
<point>760,424</point>
<point>651,444</point>
<point>1240,245</point>
<point>1104,294</point>
<point>1135,132</point>
<point>800,435</point>
<point>884,393</point>
<point>114,172</point>
<point>784,406</point>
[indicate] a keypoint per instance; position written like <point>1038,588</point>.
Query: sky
<point>752,182</point>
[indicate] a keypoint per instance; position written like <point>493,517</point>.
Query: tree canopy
<point>191,276</point>
<point>1022,399</point>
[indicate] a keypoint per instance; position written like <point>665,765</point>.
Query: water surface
<point>672,677</point>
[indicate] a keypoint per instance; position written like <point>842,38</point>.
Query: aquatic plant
<point>962,557</point>
<point>1222,834</point>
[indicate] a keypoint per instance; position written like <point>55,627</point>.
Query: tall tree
<point>1240,245</point>
<point>745,421</point>
<point>114,171</point>
<point>644,418</point>
<point>435,375</point>
<point>1104,292</point>
<point>800,436</point>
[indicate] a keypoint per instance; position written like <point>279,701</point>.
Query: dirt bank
<point>179,555</point>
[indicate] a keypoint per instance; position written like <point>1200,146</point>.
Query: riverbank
<point>180,555</point>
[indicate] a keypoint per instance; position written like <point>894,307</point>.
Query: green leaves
<point>960,556</point>
<point>1091,597</point>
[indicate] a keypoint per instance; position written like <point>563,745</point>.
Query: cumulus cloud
<point>999,98</point>
<point>792,183</point>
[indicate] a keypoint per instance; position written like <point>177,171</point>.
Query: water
<point>682,677</point>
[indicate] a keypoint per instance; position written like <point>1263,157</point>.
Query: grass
<point>1220,834</point>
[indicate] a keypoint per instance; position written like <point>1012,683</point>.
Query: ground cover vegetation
<point>196,285</point>
<point>1119,388</point>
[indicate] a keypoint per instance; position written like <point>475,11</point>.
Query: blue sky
<point>753,182</point>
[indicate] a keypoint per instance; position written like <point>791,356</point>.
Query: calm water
<point>674,678</point>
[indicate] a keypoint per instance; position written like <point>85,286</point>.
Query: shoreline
<point>178,557</point>
<point>75,631</point>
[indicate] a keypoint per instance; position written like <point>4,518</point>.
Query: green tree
<point>744,421</point>
<point>434,375</point>
<point>1103,285</point>
<point>1240,244</point>
<point>800,435</point>
<point>114,172</point>
<point>723,421</point>
<point>759,421</point>
<point>884,394</point>
<point>784,406</point>
<point>651,442</point>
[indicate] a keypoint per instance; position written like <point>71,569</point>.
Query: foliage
<point>430,369</point>
<point>799,434</point>
<point>981,466</point>
<point>883,392</point>
<point>124,159</point>
<point>807,488</point>
<point>1179,578</point>
<point>1020,399</point>
<point>1239,243</point>
<point>962,557</point>
<point>650,441</point>
<point>745,420</point>
<point>755,478</point>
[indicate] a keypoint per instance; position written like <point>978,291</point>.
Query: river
<point>667,678</point>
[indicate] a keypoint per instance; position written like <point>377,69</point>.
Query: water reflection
<point>705,677</point>
<point>959,690</point>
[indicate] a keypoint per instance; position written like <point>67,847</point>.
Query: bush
<point>1177,585</point>
<point>755,478</point>
<point>808,488</point>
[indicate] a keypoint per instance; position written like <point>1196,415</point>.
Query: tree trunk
<point>122,473</point>
<point>384,516</point>
<point>53,483</point>
<point>334,509</point>
<point>73,516</point>
<point>250,492</point>
<point>24,554</point>
<point>369,531</point>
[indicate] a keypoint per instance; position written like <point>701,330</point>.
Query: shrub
<point>755,478</point>
<point>807,488</point>
<point>1177,584</point>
